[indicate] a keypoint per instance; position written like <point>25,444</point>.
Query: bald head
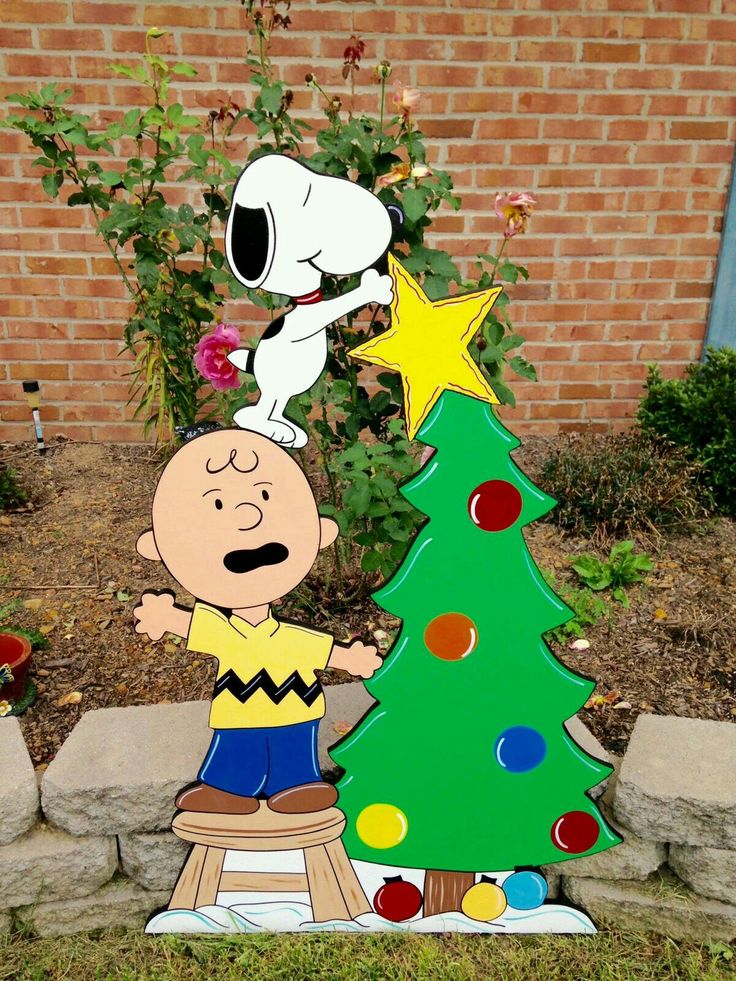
<point>235,521</point>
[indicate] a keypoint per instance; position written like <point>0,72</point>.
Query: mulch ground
<point>70,556</point>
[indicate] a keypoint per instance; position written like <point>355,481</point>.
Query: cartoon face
<point>288,225</point>
<point>235,521</point>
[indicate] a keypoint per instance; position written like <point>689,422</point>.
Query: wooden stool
<point>333,887</point>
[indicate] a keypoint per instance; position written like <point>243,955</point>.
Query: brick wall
<point>618,114</point>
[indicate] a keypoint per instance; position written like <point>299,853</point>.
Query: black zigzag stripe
<point>243,690</point>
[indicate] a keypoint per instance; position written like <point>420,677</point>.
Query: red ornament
<point>451,636</point>
<point>494,505</point>
<point>575,832</point>
<point>397,899</point>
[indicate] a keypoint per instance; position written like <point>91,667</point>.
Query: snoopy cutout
<point>287,227</point>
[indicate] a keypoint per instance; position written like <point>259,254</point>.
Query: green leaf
<point>522,367</point>
<point>110,178</point>
<point>52,182</point>
<point>414,203</point>
<point>271,98</point>
<point>184,68</point>
<point>370,562</point>
<point>503,392</point>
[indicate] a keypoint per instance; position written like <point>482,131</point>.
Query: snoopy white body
<point>287,227</point>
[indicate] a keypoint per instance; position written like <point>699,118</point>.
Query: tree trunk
<point>444,891</point>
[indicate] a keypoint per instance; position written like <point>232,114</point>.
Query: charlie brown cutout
<point>236,524</point>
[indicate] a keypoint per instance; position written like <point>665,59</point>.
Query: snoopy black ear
<point>397,217</point>
<point>249,242</point>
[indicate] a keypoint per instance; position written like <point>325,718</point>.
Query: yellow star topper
<point>427,343</point>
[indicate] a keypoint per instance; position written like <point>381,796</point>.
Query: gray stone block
<point>153,860</point>
<point>18,788</point>
<point>47,865</point>
<point>677,781</point>
<point>709,871</point>
<point>118,904</point>
<point>660,906</point>
<point>121,768</point>
<point>582,735</point>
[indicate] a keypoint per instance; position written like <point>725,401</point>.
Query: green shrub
<point>623,567</point>
<point>612,486</point>
<point>698,413</point>
<point>11,493</point>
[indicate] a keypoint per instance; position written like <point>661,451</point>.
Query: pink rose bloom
<point>210,358</point>
<point>515,210</point>
<point>406,99</point>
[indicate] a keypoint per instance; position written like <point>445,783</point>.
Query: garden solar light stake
<point>31,388</point>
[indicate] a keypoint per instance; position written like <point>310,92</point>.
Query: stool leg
<point>184,895</point>
<point>350,887</point>
<point>327,900</point>
<point>209,882</point>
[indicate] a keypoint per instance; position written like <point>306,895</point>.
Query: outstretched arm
<point>373,288</point>
<point>359,659</point>
<point>157,614</point>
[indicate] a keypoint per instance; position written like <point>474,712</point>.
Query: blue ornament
<point>525,890</point>
<point>520,749</point>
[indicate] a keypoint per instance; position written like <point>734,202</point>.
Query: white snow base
<point>291,913</point>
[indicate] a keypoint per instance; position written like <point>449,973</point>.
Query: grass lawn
<point>133,956</point>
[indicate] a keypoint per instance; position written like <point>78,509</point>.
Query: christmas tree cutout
<point>464,764</point>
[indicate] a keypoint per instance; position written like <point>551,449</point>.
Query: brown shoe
<point>304,799</point>
<point>210,800</point>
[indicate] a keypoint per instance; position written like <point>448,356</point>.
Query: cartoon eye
<point>218,504</point>
<point>265,495</point>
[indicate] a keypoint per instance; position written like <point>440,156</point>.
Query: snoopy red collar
<point>314,297</point>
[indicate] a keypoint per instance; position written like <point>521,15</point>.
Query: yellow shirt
<point>266,673</point>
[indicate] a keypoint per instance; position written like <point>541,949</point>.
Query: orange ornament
<point>451,636</point>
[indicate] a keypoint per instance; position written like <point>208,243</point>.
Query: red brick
<point>486,50</point>
<point>513,76</point>
<point>567,177</point>
<point>710,80</point>
<point>447,75</point>
<point>644,78</point>
<point>664,153</point>
<point>655,27</point>
<point>107,12</point>
<point>593,27</point>
<point>166,15</point>
<point>71,39</point>
<point>37,66</point>
<point>508,129</point>
<point>573,129</point>
<point>448,128</point>
<point>548,102</point>
<point>613,104</point>
<point>21,12</point>
<point>676,54</point>
<point>614,52</point>
<point>578,77</point>
<point>16,38</point>
<point>547,51</point>
<point>698,130</point>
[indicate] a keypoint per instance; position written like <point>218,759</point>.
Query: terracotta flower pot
<point>15,651</point>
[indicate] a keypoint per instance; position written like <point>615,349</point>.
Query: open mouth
<point>248,559</point>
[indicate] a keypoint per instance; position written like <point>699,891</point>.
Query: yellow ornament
<point>484,901</point>
<point>427,343</point>
<point>382,825</point>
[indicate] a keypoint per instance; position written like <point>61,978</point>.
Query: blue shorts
<point>250,762</point>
